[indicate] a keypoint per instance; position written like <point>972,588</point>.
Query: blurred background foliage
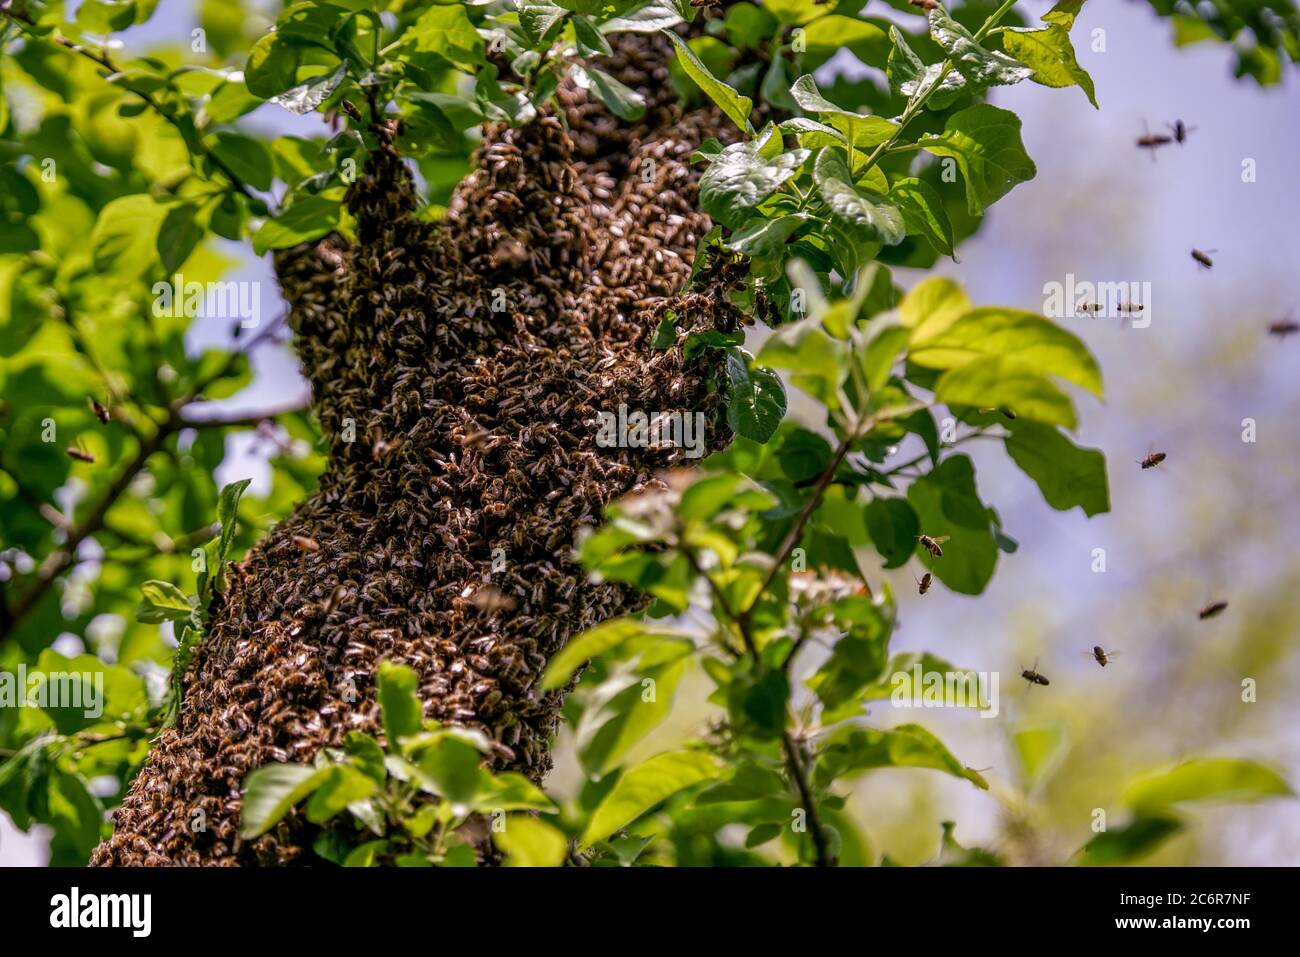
<point>194,405</point>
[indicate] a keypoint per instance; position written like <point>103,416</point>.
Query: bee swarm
<point>474,445</point>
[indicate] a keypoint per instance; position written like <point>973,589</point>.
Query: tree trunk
<point>468,359</point>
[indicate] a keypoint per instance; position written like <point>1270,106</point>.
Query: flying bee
<point>1034,676</point>
<point>1101,655</point>
<point>1283,328</point>
<point>1153,459</point>
<point>1130,307</point>
<point>1152,141</point>
<point>931,545</point>
<point>1180,130</point>
<point>81,455</point>
<point>1203,259</point>
<point>1209,611</point>
<point>101,413</point>
<point>924,582</point>
<point>1090,308</point>
<point>306,544</point>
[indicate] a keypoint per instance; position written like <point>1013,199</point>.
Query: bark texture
<point>475,439</point>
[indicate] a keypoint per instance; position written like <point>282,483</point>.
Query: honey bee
<point>1203,259</point>
<point>924,582</point>
<point>1209,611</point>
<point>81,455</point>
<point>1152,141</point>
<point>1034,676</point>
<point>1153,459</point>
<point>1101,655</point>
<point>1090,308</point>
<point>1180,130</point>
<point>1283,328</point>
<point>926,5</point>
<point>101,413</point>
<point>306,544</point>
<point>931,545</point>
<point>1130,307</point>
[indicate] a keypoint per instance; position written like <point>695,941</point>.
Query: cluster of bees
<point>438,537</point>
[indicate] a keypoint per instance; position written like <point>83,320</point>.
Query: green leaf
<point>1003,382</point>
<point>337,789</point>
<point>179,233</point>
<point>910,77</point>
<point>310,217</point>
<point>1067,475</point>
<point>923,212</point>
<point>590,40</point>
<point>766,238</point>
<point>227,516</point>
<point>740,178</point>
<point>947,504</point>
<point>162,601</point>
<point>854,750</point>
<point>819,362</point>
<point>511,791</point>
<point>124,240</point>
<point>796,11</point>
<point>623,102</point>
<point>453,766</point>
<point>824,37</point>
<point>1036,749</point>
<point>1063,13</point>
<point>626,710</point>
<point>595,642</point>
<point>893,527</point>
<point>447,32</point>
<point>650,18</point>
<point>981,67</point>
<point>1051,55</point>
<point>530,842</point>
<point>403,714</point>
<point>1221,779</point>
<point>735,106</point>
<point>862,130</point>
<point>540,20</point>
<point>306,96</point>
<point>270,791</point>
<point>1025,338</point>
<point>644,786</point>
<point>1130,843</point>
<point>249,159</point>
<point>858,657</point>
<point>985,143</point>
<point>865,220</point>
<point>756,400</point>
<point>931,306</point>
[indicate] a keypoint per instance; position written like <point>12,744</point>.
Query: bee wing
<point>940,539</point>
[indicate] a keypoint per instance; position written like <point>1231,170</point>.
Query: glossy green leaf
<point>1200,779</point>
<point>984,141</point>
<point>271,790</point>
<point>644,786</point>
<point>1067,475</point>
<point>735,106</point>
